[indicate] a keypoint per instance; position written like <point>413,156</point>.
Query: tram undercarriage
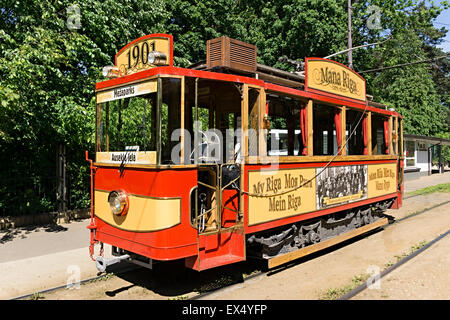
<point>269,244</point>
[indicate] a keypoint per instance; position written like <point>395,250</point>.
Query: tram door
<point>216,212</point>
<point>218,155</point>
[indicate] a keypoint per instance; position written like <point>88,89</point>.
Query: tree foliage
<point>48,71</point>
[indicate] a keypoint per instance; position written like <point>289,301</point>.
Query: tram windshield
<point>131,123</point>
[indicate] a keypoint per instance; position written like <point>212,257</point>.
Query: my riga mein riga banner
<point>288,192</point>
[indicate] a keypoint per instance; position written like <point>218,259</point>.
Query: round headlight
<point>111,72</point>
<point>118,201</point>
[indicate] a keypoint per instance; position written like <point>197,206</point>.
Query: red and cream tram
<point>230,158</point>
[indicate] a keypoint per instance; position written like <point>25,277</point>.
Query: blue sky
<point>444,21</point>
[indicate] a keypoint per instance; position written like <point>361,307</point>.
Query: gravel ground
<point>425,277</point>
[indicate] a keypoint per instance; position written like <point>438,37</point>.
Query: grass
<point>413,249</point>
<point>104,277</point>
<point>182,297</point>
<point>214,284</point>
<point>444,187</point>
<point>37,296</point>
<point>335,293</point>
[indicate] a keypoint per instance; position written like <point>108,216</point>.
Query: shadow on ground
<point>22,232</point>
<point>174,280</point>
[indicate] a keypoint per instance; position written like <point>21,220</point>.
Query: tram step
<point>217,250</point>
<point>213,262</point>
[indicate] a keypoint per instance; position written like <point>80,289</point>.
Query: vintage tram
<point>229,158</point>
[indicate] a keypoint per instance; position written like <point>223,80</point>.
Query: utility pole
<point>349,44</point>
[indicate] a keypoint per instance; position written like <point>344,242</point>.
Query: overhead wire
<point>405,64</point>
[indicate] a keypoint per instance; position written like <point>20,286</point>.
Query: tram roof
<point>231,60</point>
<point>244,79</point>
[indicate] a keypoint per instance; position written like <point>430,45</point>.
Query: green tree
<point>47,80</point>
<point>418,92</point>
<point>48,69</point>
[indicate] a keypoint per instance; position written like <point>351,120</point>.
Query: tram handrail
<point>219,195</point>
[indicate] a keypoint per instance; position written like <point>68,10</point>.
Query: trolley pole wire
<point>405,64</point>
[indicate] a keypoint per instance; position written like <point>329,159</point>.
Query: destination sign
<point>335,78</point>
<point>127,91</point>
<point>127,157</point>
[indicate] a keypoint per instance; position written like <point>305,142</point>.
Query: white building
<point>423,155</point>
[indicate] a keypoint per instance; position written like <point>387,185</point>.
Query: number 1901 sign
<point>144,53</point>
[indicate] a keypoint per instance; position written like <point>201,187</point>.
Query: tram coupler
<point>101,263</point>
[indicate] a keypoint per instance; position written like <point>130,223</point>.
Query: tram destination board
<point>334,78</point>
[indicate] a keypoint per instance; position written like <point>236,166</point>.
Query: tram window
<point>380,135</point>
<point>170,116</point>
<point>253,121</point>
<point>219,110</point>
<point>126,123</point>
<point>284,137</point>
<point>131,122</point>
<point>400,137</point>
<point>395,135</point>
<point>355,144</point>
<point>324,135</point>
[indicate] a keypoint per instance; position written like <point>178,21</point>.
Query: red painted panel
<point>172,243</point>
<point>230,200</point>
<point>218,250</point>
<point>147,244</point>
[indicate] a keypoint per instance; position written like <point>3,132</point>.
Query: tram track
<point>365,285</point>
<point>251,276</point>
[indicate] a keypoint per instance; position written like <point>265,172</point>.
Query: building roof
<point>432,140</point>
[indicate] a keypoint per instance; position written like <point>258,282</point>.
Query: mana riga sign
<point>332,77</point>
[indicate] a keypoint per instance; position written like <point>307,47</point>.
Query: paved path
<point>427,181</point>
<point>34,241</point>
<point>36,258</point>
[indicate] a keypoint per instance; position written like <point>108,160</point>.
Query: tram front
<point>150,197</point>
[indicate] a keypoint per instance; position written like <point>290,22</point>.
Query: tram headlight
<point>118,201</point>
<point>111,72</point>
<point>157,58</point>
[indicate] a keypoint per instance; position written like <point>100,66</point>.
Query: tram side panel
<point>294,192</point>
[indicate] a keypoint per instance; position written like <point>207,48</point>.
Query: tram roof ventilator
<point>226,55</point>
